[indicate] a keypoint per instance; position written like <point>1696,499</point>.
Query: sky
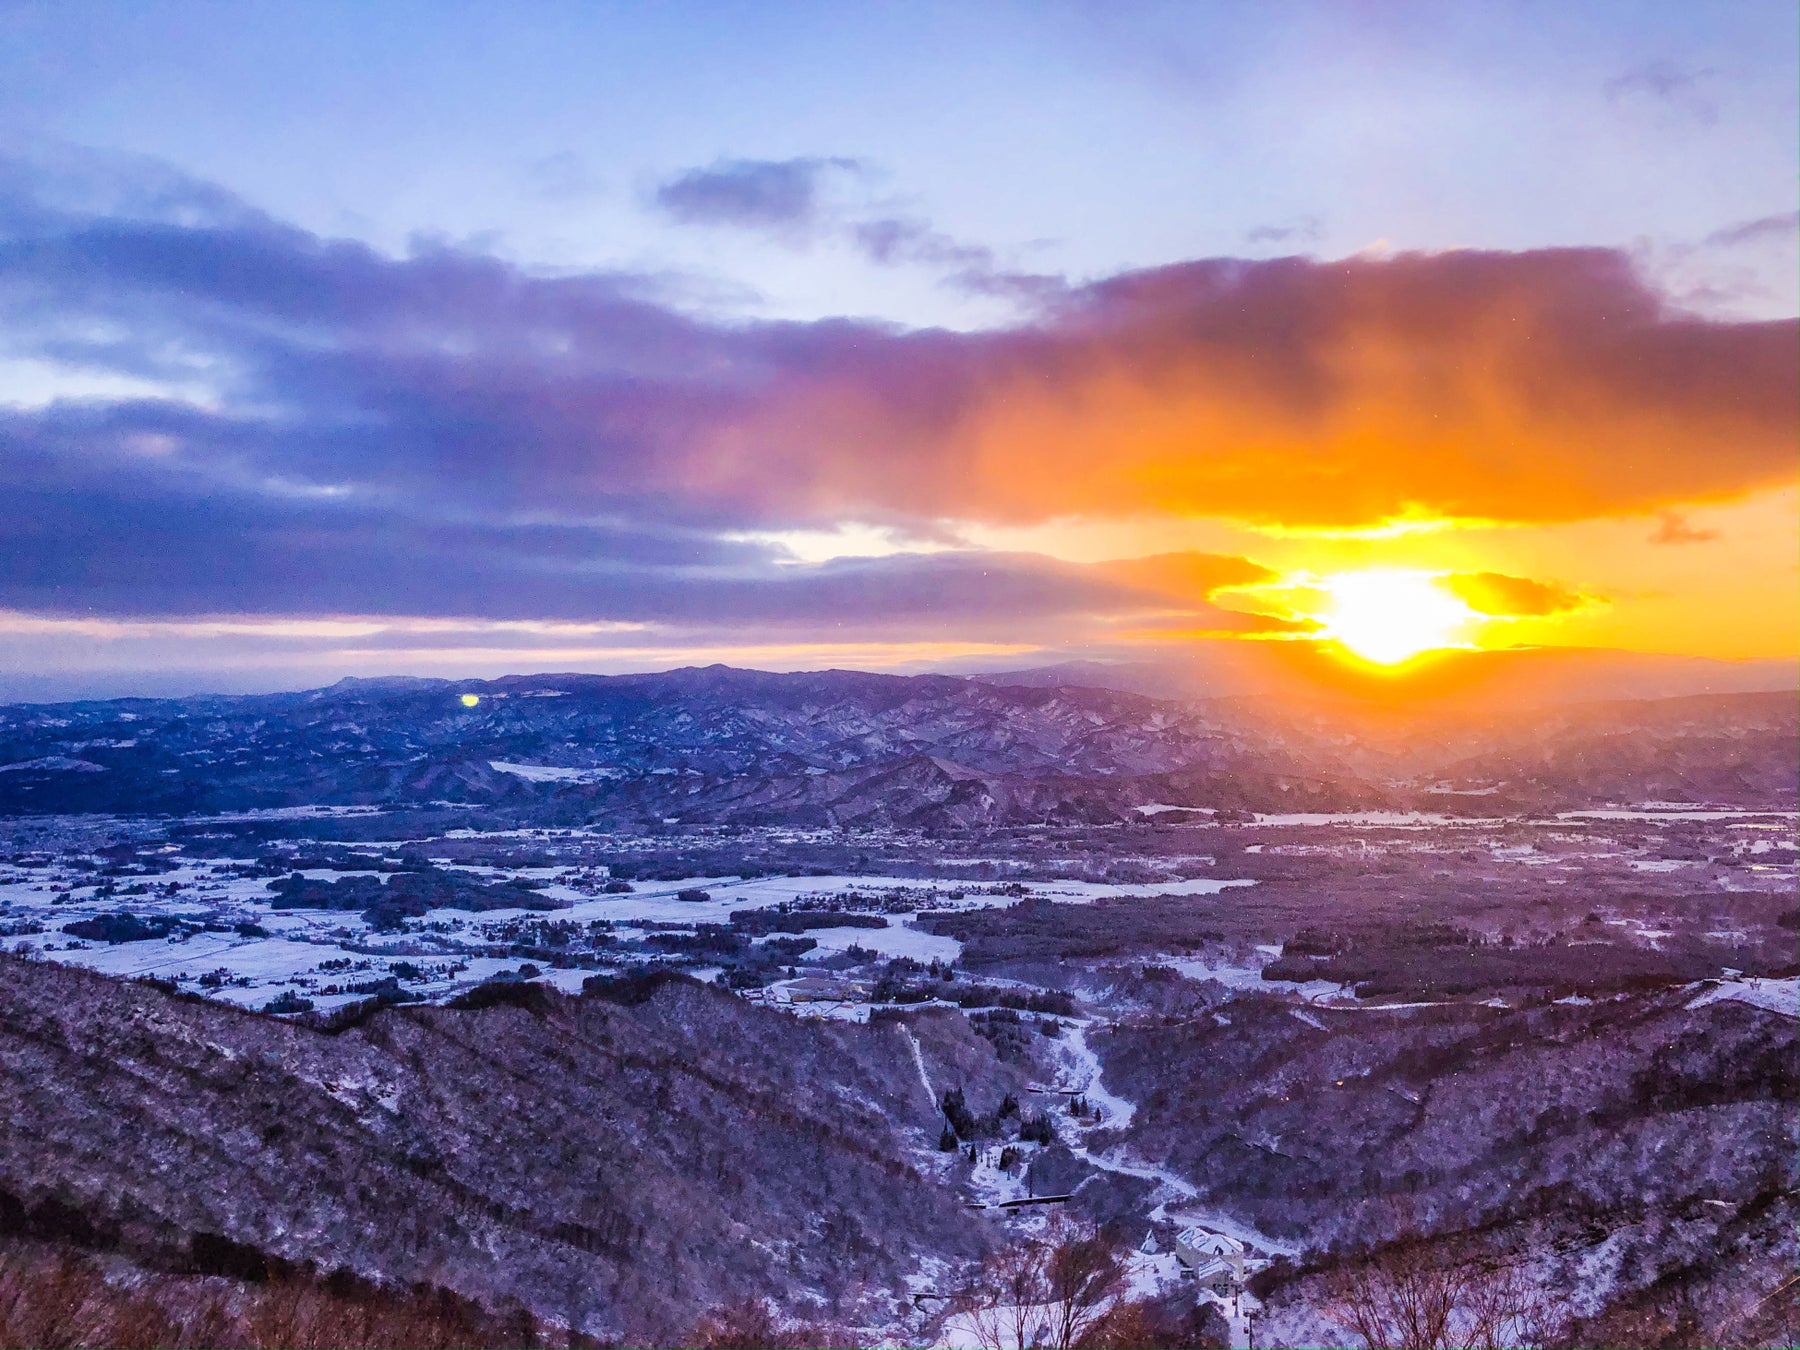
<point>461,339</point>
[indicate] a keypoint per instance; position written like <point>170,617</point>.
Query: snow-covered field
<point>1250,977</point>
<point>322,954</point>
<point>1674,813</point>
<point>544,773</point>
<point>1782,996</point>
<point>900,938</point>
<point>1402,819</point>
<point>258,951</point>
<point>1078,892</point>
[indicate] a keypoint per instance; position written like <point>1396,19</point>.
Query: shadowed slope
<point>618,1168</point>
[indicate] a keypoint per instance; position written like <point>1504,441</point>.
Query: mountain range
<point>848,748</point>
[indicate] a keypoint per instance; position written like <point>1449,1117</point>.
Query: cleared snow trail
<point>918,1055</point>
<point>1116,1112</point>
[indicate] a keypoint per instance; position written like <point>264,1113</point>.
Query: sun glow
<point>1387,617</point>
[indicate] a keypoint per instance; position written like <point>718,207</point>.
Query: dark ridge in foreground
<point>613,1165</point>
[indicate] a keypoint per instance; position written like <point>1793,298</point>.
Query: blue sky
<point>353,338</point>
<point>1076,139</point>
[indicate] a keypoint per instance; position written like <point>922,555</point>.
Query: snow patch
<point>549,773</point>
<point>1778,996</point>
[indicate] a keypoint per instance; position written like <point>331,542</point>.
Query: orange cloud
<point>1673,528</point>
<point>1524,387</point>
<point>1187,576</point>
<point>1499,596</point>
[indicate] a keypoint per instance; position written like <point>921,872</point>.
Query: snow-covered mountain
<point>846,747</point>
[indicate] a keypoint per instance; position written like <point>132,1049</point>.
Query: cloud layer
<point>1530,387</point>
<point>347,432</point>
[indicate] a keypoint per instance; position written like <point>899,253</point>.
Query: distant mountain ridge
<point>1527,677</point>
<point>717,744</point>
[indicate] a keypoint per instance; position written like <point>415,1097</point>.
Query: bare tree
<point>1152,1324</point>
<point>1414,1294</point>
<point>1047,1290</point>
<point>1678,1320</point>
<point>1004,1306</point>
<point>1082,1277</point>
<point>55,1298</point>
<point>750,1324</point>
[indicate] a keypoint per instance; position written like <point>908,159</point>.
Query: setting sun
<point>1387,617</point>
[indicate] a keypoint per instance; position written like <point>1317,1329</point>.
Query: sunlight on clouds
<point>1390,616</point>
<point>1386,616</point>
<point>1393,527</point>
<point>1659,596</point>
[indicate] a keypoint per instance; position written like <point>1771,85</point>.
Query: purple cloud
<point>785,198</point>
<point>1305,230</point>
<point>1671,84</point>
<point>1780,228</point>
<point>763,194</point>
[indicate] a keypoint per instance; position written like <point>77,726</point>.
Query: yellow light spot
<point>470,700</point>
<point>1387,617</point>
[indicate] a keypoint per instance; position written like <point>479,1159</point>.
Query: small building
<point>1219,1262</point>
<point>825,989</point>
